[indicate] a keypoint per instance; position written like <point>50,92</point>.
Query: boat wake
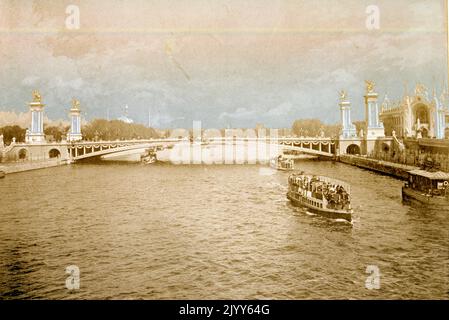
<point>343,221</point>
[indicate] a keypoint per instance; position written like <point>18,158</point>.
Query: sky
<point>222,62</point>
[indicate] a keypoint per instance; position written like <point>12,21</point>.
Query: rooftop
<point>439,175</point>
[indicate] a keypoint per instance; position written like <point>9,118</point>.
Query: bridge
<point>326,147</point>
<point>80,150</point>
<point>84,149</point>
<point>313,146</point>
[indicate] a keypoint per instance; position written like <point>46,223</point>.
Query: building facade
<point>416,116</point>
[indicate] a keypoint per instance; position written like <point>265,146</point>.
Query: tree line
<point>101,129</point>
<point>98,129</point>
<point>10,132</point>
<point>314,128</point>
<point>52,133</point>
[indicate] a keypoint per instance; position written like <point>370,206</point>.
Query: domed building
<point>125,118</point>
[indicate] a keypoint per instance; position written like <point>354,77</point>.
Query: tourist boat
<point>426,187</point>
<point>282,164</point>
<point>149,160</point>
<point>322,195</point>
<point>149,157</point>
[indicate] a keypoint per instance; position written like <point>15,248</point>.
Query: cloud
<point>246,62</point>
<point>59,82</point>
<point>240,113</point>
<point>23,119</point>
<point>30,81</point>
<point>280,111</point>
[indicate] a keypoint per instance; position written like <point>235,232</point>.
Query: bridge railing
<point>320,146</point>
<point>124,141</point>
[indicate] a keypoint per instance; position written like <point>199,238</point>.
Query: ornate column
<point>36,133</point>
<point>75,128</point>
<point>374,127</point>
<point>440,119</point>
<point>347,128</point>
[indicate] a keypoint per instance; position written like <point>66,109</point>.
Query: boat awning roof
<point>439,175</point>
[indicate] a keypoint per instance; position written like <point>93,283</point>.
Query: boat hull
<point>410,195</point>
<point>298,201</point>
<point>285,169</point>
<point>274,164</point>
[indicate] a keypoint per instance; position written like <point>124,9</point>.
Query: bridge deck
<point>100,148</point>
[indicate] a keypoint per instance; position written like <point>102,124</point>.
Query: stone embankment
<point>389,168</point>
<point>15,167</point>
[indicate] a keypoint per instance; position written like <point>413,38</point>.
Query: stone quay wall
<point>415,152</point>
<point>15,167</point>
<point>396,170</point>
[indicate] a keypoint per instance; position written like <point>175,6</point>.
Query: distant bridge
<point>314,146</point>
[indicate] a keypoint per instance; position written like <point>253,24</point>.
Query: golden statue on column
<point>37,96</point>
<point>75,104</point>
<point>369,86</point>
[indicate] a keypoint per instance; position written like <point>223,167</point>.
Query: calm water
<point>197,232</point>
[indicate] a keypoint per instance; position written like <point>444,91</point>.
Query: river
<point>212,232</point>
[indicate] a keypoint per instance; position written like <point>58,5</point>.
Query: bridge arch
<point>353,149</point>
<point>54,153</point>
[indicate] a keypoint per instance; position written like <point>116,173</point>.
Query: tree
<point>10,132</point>
<point>313,128</point>
<point>101,129</point>
<point>56,132</point>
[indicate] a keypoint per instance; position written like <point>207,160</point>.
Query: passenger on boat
<point>336,195</point>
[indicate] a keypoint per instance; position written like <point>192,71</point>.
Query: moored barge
<point>427,188</point>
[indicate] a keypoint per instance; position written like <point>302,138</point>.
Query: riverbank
<point>16,167</point>
<point>396,170</point>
